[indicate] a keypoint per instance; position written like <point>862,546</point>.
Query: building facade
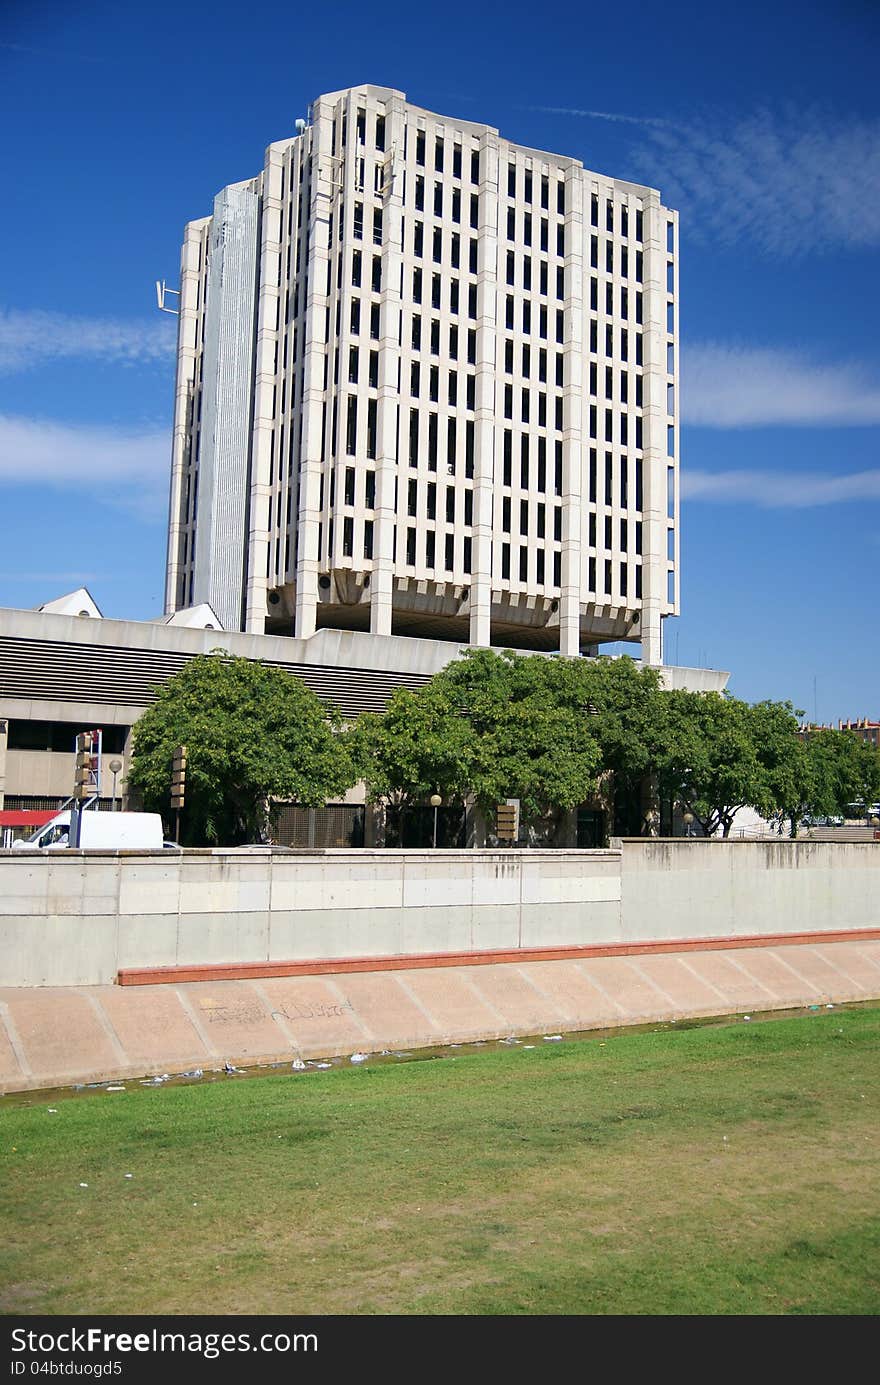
<point>426,386</point>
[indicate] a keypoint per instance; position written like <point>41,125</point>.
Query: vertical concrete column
<point>574,452</point>
<point>484,428</point>
<point>388,402</point>
<point>265,397</point>
<point>653,431</point>
<point>323,184</point>
<point>192,287</point>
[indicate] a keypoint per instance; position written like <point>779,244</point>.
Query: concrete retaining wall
<point>76,919</point>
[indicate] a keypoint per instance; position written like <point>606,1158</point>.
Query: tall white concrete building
<point>426,385</point>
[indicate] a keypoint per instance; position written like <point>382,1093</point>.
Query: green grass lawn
<point>712,1171</point>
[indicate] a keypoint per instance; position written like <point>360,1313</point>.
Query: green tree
<point>710,762</point>
<point>845,770</point>
<point>488,727</point>
<point>253,733</point>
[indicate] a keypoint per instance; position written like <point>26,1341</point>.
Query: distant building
<point>426,386</point>
<point>863,728</point>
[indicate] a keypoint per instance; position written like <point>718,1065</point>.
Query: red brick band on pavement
<point>254,971</point>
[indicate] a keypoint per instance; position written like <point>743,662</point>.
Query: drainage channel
<point>300,1067</point>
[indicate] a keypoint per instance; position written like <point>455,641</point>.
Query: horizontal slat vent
<point>59,672</point>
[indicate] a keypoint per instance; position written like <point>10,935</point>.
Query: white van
<point>100,831</point>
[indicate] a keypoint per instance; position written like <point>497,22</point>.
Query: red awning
<point>27,817</point>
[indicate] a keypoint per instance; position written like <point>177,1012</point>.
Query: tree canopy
<point>253,733</point>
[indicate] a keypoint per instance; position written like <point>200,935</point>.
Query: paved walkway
<point>57,1036</point>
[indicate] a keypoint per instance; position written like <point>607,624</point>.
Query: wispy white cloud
<point>613,116</point>
<point>34,337</point>
<point>791,183</point>
<point>120,467</point>
<point>735,386</point>
<point>780,489</point>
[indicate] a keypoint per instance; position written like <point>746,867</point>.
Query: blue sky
<point>760,124</point>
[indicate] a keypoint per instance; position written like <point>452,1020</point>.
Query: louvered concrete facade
<point>427,385</point>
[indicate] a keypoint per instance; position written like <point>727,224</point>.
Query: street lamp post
<point>435,802</point>
<point>688,820</point>
<point>115,767</point>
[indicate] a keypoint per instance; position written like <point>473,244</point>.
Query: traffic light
<point>178,777</point>
<point>84,776</point>
<point>507,821</point>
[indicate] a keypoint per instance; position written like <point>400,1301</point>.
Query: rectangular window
<point>370,490</point>
<point>371,427</point>
<point>438,153</point>
<point>468,507</point>
<point>356,268</point>
<point>505,562</point>
<point>374,321</point>
<point>560,198</point>
<point>432,500</point>
<point>420,148</point>
<point>368,538</point>
<point>349,485</point>
<point>435,337</point>
<point>466,553</point>
<point>511,267</point>
<point>418,239</point>
<point>557,479</point>
<point>511,223</point>
<point>420,193</point>
<point>412,499</point>
<point>413,437</point>
<point>449,552</point>
<point>524,462</point>
<point>505,515</point>
<point>358,226</point>
<point>670,237</point>
<point>347,536</point>
<point>670,440</point>
<point>353,364</point>
<point>434,384</point>
<point>416,332</point>
<point>471,392</point>
<point>411,547</point>
<point>456,160</point>
<point>351,425</point>
<point>430,542</point>
<point>450,446</point>
<point>472,255</point>
<point>507,456</point>
<point>438,199</point>
<point>414,372</point>
<point>453,388</point>
<point>475,166</point>
<point>591,578</point>
<point>417,286</point>
<point>639,225</point>
<point>541,521</point>
<point>475,210</point>
<point>469,449</point>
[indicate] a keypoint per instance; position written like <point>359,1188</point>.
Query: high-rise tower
<point>426,386</point>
